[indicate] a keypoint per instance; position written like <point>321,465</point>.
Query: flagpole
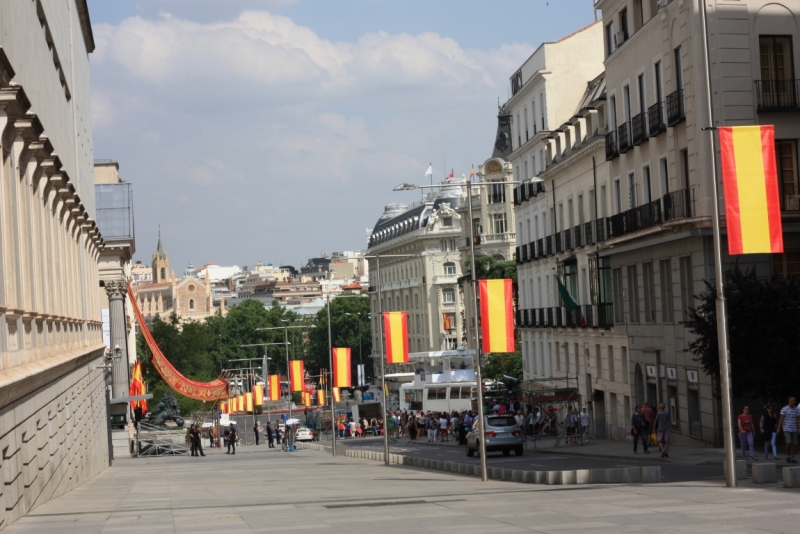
<point>722,320</point>
<point>330,361</point>
<point>383,364</point>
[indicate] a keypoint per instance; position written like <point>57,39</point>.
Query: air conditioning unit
<point>619,38</point>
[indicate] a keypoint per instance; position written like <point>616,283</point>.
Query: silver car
<point>502,434</point>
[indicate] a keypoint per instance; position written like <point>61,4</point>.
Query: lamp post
<point>110,360</point>
<point>468,184</point>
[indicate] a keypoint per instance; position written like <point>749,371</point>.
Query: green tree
<point>763,314</point>
<point>346,331</point>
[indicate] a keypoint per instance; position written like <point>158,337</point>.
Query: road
<point>546,459</point>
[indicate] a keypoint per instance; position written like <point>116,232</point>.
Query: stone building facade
<point>53,419</point>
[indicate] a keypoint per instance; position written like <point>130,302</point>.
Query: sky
<point>275,130</point>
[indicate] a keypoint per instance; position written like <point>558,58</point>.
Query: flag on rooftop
<point>429,172</point>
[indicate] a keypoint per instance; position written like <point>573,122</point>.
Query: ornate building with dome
<point>190,298</point>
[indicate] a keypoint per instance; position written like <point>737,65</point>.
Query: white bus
<point>437,397</point>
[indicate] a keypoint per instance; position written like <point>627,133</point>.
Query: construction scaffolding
<point>553,397</point>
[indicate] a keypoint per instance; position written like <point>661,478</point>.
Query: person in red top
<point>746,432</point>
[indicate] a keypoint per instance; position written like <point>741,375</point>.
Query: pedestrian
<point>232,439</point>
<point>192,442</point>
<point>662,423</point>
<point>746,432</point>
<point>199,439</point>
<point>569,421</point>
<point>443,424</point>
<point>639,430</point>
<point>768,426</point>
<point>270,438</point>
<point>212,434</point>
<point>277,433</point>
<point>585,419</point>
<point>647,412</point>
<point>788,425</point>
<point>256,429</point>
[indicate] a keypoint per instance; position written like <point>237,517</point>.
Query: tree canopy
<point>350,327</point>
<point>763,318</point>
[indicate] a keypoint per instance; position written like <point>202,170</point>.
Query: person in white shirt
<point>443,434</point>
<point>584,417</point>
<point>519,418</point>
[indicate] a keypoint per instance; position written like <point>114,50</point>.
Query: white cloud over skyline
<point>255,139</point>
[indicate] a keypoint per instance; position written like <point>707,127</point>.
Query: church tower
<point>161,273</point>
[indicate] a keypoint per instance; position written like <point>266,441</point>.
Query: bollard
<point>764,474</point>
<point>517,475</point>
<point>448,466</point>
<point>614,476</point>
<point>529,477</point>
<point>591,476</point>
<point>741,469</point>
<point>632,475</point>
<point>540,477</point>
<point>476,470</point>
<point>553,477</point>
<point>569,477</point>
<point>791,477</point>
<point>469,470</point>
<point>508,475</point>
<point>651,474</point>
<point>462,469</point>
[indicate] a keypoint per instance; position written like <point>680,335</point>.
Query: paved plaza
<point>264,490</point>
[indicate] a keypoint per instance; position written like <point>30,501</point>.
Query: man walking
<point>270,438</point>
<point>256,429</point>
<point>662,429</point>
<point>640,430</point>
<point>231,439</point>
<point>788,425</point>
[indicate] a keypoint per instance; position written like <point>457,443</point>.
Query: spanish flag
<point>497,315</point>
<point>446,322</point>
<point>223,407</point>
<point>336,394</point>
<point>274,387</point>
<point>239,403</point>
<point>296,375</point>
<point>305,398</point>
<point>342,374</point>
<point>258,395</point>
<point>750,179</point>
<point>248,397</point>
<point>321,397</point>
<point>395,325</point>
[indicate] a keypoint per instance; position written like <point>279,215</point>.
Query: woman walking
<point>746,432</point>
<point>768,426</point>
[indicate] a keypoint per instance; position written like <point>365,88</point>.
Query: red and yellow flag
<point>239,403</point>
<point>274,387</point>
<point>336,394</point>
<point>305,398</point>
<point>497,315</point>
<point>447,324</point>
<point>296,375</point>
<point>248,398</point>
<point>321,397</point>
<point>137,387</point>
<point>752,200</point>
<point>395,325</point>
<point>342,374</point>
<point>258,395</point>
<point>223,407</point>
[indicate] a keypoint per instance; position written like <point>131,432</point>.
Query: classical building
<point>52,396</point>
<point>425,283</point>
<point>190,298</point>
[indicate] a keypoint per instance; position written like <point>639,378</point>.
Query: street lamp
<point>468,184</point>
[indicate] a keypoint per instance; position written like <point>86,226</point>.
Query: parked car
<point>502,434</point>
<point>304,434</point>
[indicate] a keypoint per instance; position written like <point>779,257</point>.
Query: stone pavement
<point>264,490</point>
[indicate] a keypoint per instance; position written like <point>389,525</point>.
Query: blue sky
<point>274,130</point>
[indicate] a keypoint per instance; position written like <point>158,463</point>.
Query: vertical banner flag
<point>223,407</point>
<point>258,395</point>
<point>750,180</point>
<point>336,395</point>
<point>306,398</point>
<point>274,387</point>
<point>296,375</point>
<point>446,322</point>
<point>248,397</point>
<point>239,403</point>
<point>395,324</point>
<point>342,375</point>
<point>321,397</point>
<point>497,315</point>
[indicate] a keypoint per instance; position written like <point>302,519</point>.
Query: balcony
<point>548,316</point>
<point>577,236</point>
<point>791,197</point>
<point>519,317</point>
<point>675,111</point>
<point>558,316</point>
<point>638,132</point>
<point>676,205</point>
<point>532,250</point>
<point>573,318</point>
<point>548,245</point>
<point>559,239</point>
<point>624,137</point>
<point>605,316</point>
<point>517,194</point>
<point>477,240</point>
<point>778,95</point>
<point>600,226</point>
<point>611,146</point>
<point>568,239</point>
<point>507,237</point>
<point>587,320</point>
<point>655,119</point>
<point>524,249</point>
<point>635,219</point>
<point>443,280</point>
<point>540,248</point>
<point>588,233</point>
<point>518,253</point>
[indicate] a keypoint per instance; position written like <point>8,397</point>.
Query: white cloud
<point>282,131</point>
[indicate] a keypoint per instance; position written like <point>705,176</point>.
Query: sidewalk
<point>622,450</point>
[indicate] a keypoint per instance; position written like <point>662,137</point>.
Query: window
<point>499,223</point>
<point>558,357</point>
<point>678,69</point>
<point>786,154</point>
<point>619,314</point>
<point>448,295</point>
<point>626,103</point>
<point>642,95</point>
<point>603,208</point>
<point>623,23</point>
<point>612,373</point>
<point>437,393</point>
<point>665,272</point>
<point>648,193</point>
<point>450,269</point>
<point>633,294</point>
<point>624,356</point>
<point>519,136</point>
<point>416,304</point>
<point>163,275</point>
<point>533,115</point>
<point>598,361</point>
<point>687,286</point>
<point>497,193</point>
<point>525,112</point>
<point>632,202</point>
<point>649,292</point>
<point>776,59</point>
<point>449,320</point>
<point>685,165</point>
<point>191,304</point>
<point>663,175</point>
<point>610,39</point>
<point>443,245</point>
<point>542,108</point>
<point>617,197</point>
<point>657,81</point>
<point>447,222</point>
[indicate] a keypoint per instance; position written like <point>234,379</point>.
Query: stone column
<point>116,291</point>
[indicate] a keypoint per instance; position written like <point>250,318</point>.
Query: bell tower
<point>161,272</point>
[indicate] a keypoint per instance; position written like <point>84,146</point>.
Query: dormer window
<point>447,222</point>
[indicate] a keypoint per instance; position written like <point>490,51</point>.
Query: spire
<point>159,249</point>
